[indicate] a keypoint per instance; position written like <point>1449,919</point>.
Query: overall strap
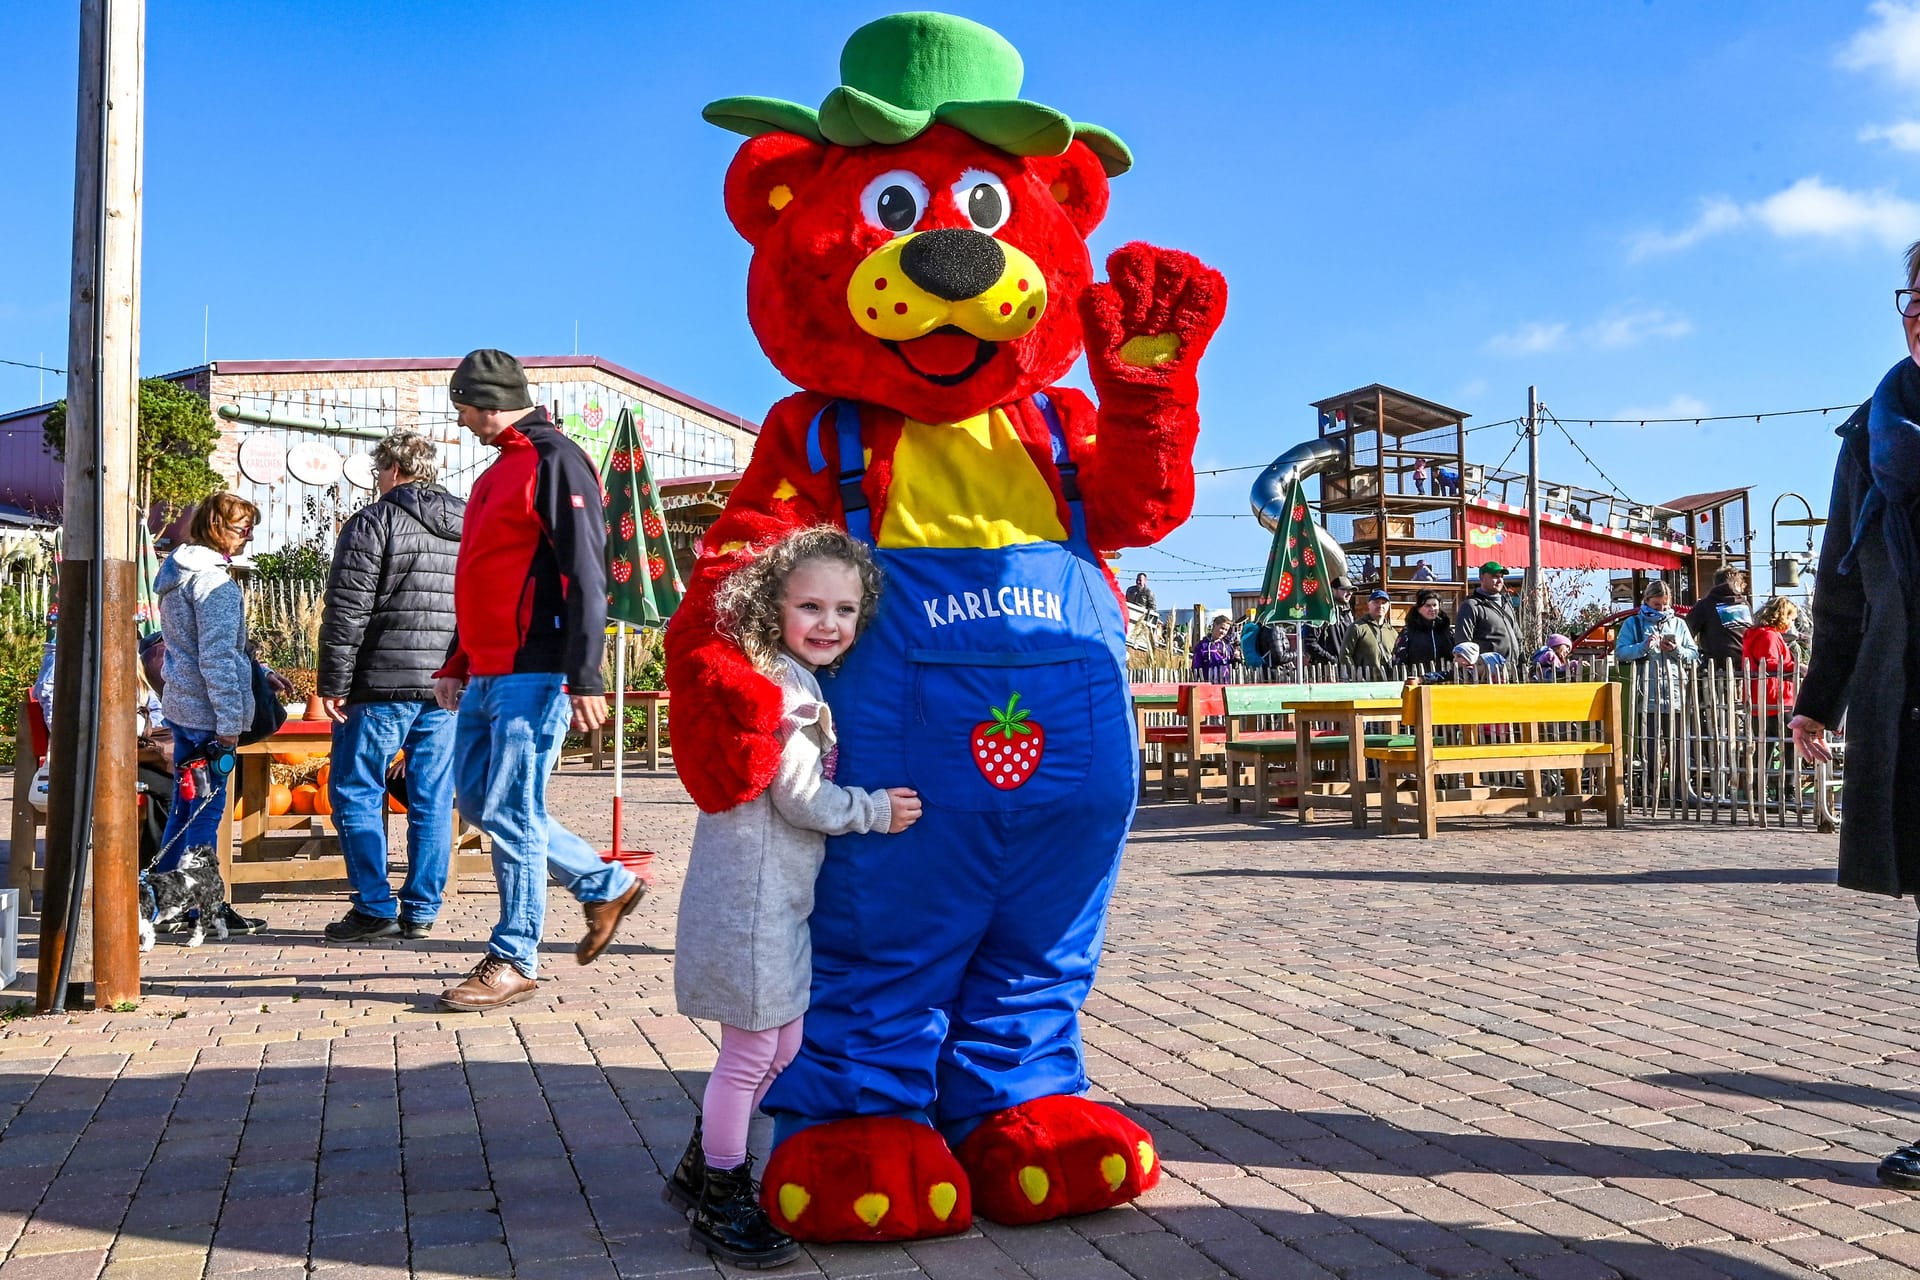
<point>1063,463</point>
<point>853,464</point>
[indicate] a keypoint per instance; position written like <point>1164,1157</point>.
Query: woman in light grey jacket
<point>208,699</point>
<point>742,955</point>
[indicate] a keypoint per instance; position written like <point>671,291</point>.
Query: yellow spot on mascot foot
<point>793,1201</point>
<point>941,1197</point>
<point>1034,1183</point>
<point>871,1207</point>
<point>1114,1169</point>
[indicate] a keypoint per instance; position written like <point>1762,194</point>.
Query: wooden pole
<point>91,822</point>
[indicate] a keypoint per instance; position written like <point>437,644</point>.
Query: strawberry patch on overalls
<point>1007,748</point>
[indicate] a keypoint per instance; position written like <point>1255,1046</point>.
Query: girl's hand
<point>906,808</point>
<point>1810,738</point>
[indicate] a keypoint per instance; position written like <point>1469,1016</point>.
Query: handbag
<point>268,714</point>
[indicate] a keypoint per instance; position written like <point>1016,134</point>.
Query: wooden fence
<point>1708,741</point>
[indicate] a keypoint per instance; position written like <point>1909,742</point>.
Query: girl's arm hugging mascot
<point>920,269</point>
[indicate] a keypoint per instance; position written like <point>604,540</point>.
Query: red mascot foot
<point>1056,1156</point>
<point>869,1178</point>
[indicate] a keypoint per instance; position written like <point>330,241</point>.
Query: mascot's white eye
<point>894,201</point>
<point>983,198</point>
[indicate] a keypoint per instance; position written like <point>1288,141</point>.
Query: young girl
<point>742,955</point>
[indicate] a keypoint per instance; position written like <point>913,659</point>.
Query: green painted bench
<point>1263,765</point>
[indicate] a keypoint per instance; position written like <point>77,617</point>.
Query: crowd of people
<point>440,686</point>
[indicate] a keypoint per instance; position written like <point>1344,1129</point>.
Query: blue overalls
<point>950,961</point>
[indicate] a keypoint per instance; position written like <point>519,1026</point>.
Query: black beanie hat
<point>490,379</point>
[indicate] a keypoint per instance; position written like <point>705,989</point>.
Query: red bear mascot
<point>920,268</point>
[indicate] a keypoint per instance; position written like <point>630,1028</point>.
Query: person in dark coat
<point>1327,643</point>
<point>1427,638</point>
<point>1719,619</point>
<point>1487,617</point>
<point>385,628</point>
<point>1865,663</point>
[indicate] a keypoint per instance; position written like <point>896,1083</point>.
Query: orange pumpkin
<point>279,798</point>
<point>322,800</point>
<point>303,797</point>
<point>320,778</point>
<point>394,805</point>
<point>292,757</point>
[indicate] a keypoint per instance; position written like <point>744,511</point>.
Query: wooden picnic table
<point>286,847</point>
<point>1352,715</point>
<point>653,705</point>
<point>1150,699</point>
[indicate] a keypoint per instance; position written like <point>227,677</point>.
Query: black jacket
<point>1865,666</point>
<point>1489,622</point>
<point>1716,639</point>
<point>1423,643</point>
<point>1328,642</point>
<point>389,612</point>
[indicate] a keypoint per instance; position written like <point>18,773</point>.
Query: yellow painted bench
<point>1530,729</point>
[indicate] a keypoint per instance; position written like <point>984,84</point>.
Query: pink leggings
<point>749,1060</point>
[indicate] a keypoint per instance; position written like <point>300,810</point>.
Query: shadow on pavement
<point>1698,875</point>
<point>488,1163</point>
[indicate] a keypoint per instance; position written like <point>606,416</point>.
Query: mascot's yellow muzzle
<point>915,284</point>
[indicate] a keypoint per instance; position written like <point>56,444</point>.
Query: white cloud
<point>1630,328</point>
<point>1615,329</point>
<point>1890,45</point>
<point>1809,209</point>
<point>1529,340</point>
<point>1680,406</point>
<point>1902,135</point>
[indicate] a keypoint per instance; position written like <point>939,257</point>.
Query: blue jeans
<point>509,737</point>
<point>362,748</point>
<point>195,821</point>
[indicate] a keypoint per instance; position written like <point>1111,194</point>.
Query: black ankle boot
<point>689,1176</point>
<point>1902,1168</point>
<point>730,1224</point>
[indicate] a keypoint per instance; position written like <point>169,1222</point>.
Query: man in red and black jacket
<point>530,615</point>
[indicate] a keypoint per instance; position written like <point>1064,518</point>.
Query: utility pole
<point>1536,582</point>
<point>92,845</point>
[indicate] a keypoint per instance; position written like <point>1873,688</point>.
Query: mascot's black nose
<point>953,264</point>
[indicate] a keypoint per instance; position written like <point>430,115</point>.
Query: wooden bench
<point>1201,735</point>
<point>1563,728</point>
<point>1265,765</point>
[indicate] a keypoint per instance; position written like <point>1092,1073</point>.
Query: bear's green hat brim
<point>851,118</point>
<point>903,74</point>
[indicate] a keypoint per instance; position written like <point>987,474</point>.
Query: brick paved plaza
<point>1667,1052</point>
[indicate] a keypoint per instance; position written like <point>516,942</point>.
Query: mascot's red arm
<point>726,745</point>
<point>1145,331</point>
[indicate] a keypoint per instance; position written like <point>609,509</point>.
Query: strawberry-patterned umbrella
<point>1296,589</point>
<point>643,584</point>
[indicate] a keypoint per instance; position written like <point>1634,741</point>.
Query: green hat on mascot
<point>904,73</point>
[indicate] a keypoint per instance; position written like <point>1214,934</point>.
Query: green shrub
<point>20,654</point>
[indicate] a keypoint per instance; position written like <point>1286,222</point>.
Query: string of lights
<point>1611,482</point>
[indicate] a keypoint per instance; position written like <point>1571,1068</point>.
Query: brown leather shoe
<point>494,982</point>
<point>603,918</point>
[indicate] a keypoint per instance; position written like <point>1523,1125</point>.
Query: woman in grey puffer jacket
<point>208,700</point>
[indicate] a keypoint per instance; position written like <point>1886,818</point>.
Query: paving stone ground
<point>1668,1052</point>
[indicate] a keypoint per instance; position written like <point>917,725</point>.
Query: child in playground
<point>742,953</point>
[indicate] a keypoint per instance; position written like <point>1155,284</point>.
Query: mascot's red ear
<point>1078,183</point>
<point>767,174</point>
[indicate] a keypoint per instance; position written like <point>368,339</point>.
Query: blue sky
<point>1665,209</point>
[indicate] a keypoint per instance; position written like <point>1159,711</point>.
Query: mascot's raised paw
<point>1056,1156</point>
<point>872,1178</point>
<point>1151,321</point>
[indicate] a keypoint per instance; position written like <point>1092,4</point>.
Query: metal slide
<point>1269,496</point>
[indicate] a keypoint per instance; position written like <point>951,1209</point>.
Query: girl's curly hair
<point>748,603</point>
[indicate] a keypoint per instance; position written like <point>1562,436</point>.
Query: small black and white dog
<point>192,891</point>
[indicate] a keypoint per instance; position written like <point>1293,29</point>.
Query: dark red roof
<point>1703,501</point>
